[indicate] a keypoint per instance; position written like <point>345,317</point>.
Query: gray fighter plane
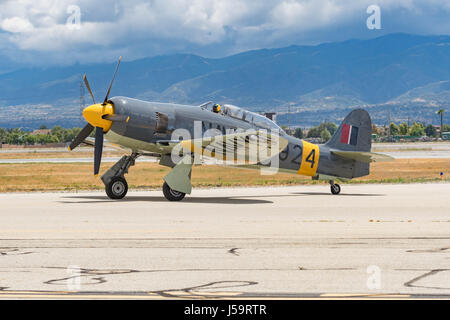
<point>220,132</point>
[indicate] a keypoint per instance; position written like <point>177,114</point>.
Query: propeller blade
<point>84,133</point>
<point>86,82</point>
<point>98,149</point>
<point>110,86</point>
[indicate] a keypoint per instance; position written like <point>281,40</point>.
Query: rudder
<point>354,133</point>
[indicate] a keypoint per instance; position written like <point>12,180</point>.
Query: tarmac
<point>416,150</point>
<point>300,242</point>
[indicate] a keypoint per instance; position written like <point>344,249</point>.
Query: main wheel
<point>117,188</point>
<point>335,188</point>
<point>172,195</point>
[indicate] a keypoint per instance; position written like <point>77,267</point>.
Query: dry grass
<point>49,155</point>
<point>69,176</point>
<point>408,169</point>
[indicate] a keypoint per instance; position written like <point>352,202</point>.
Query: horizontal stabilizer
<point>365,157</point>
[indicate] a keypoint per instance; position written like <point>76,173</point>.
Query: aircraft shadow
<point>215,200</point>
<point>340,195</point>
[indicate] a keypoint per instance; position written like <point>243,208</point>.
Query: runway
<point>395,155</point>
<point>372,241</point>
<point>416,150</point>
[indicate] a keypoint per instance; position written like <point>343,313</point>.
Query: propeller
<point>99,119</point>
<point>98,149</point>
<point>112,81</point>
<point>84,133</point>
<point>86,82</point>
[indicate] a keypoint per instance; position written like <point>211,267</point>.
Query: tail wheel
<point>117,188</point>
<point>335,188</point>
<point>172,195</point>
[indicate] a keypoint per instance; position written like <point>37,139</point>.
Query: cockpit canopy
<point>253,118</point>
<point>256,119</point>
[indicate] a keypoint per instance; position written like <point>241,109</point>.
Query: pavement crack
<point>429,250</point>
<point>12,252</point>
<point>200,292</point>
<point>411,283</point>
<point>94,274</point>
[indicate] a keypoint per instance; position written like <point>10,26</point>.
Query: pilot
<point>216,108</point>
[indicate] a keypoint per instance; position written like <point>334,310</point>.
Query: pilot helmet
<point>216,108</point>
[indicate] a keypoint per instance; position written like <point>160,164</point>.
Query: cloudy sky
<point>47,32</point>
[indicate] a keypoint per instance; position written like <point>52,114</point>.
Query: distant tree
<point>65,135</point>
<point>13,130</point>
<point>68,135</point>
<point>430,131</point>
<point>316,132</point>
<point>41,138</point>
<point>325,135</point>
<point>13,138</point>
<point>2,135</point>
<point>445,128</point>
<point>393,129</point>
<point>403,128</point>
<point>19,136</point>
<point>43,126</point>
<point>29,139</point>
<point>59,132</point>
<point>374,129</point>
<point>298,133</point>
<point>51,139</point>
<point>417,130</point>
<point>313,132</point>
<point>330,126</point>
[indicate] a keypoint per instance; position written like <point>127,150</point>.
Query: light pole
<point>441,113</point>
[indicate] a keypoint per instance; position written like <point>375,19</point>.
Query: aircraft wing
<point>366,157</point>
<point>243,147</point>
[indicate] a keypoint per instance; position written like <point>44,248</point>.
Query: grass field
<point>42,155</point>
<point>78,176</point>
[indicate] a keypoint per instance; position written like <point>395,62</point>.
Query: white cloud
<point>17,25</point>
<point>37,28</point>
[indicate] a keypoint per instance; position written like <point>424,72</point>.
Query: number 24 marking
<point>311,158</point>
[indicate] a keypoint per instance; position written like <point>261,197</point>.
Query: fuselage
<point>152,125</point>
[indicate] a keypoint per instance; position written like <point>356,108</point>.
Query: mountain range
<point>405,75</point>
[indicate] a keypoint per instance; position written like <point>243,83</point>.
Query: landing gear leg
<point>335,188</point>
<point>177,183</point>
<point>116,186</point>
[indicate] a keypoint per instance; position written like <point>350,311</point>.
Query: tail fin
<point>354,133</point>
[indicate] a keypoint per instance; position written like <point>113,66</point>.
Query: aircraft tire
<point>117,188</point>
<point>171,194</point>
<point>335,188</point>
